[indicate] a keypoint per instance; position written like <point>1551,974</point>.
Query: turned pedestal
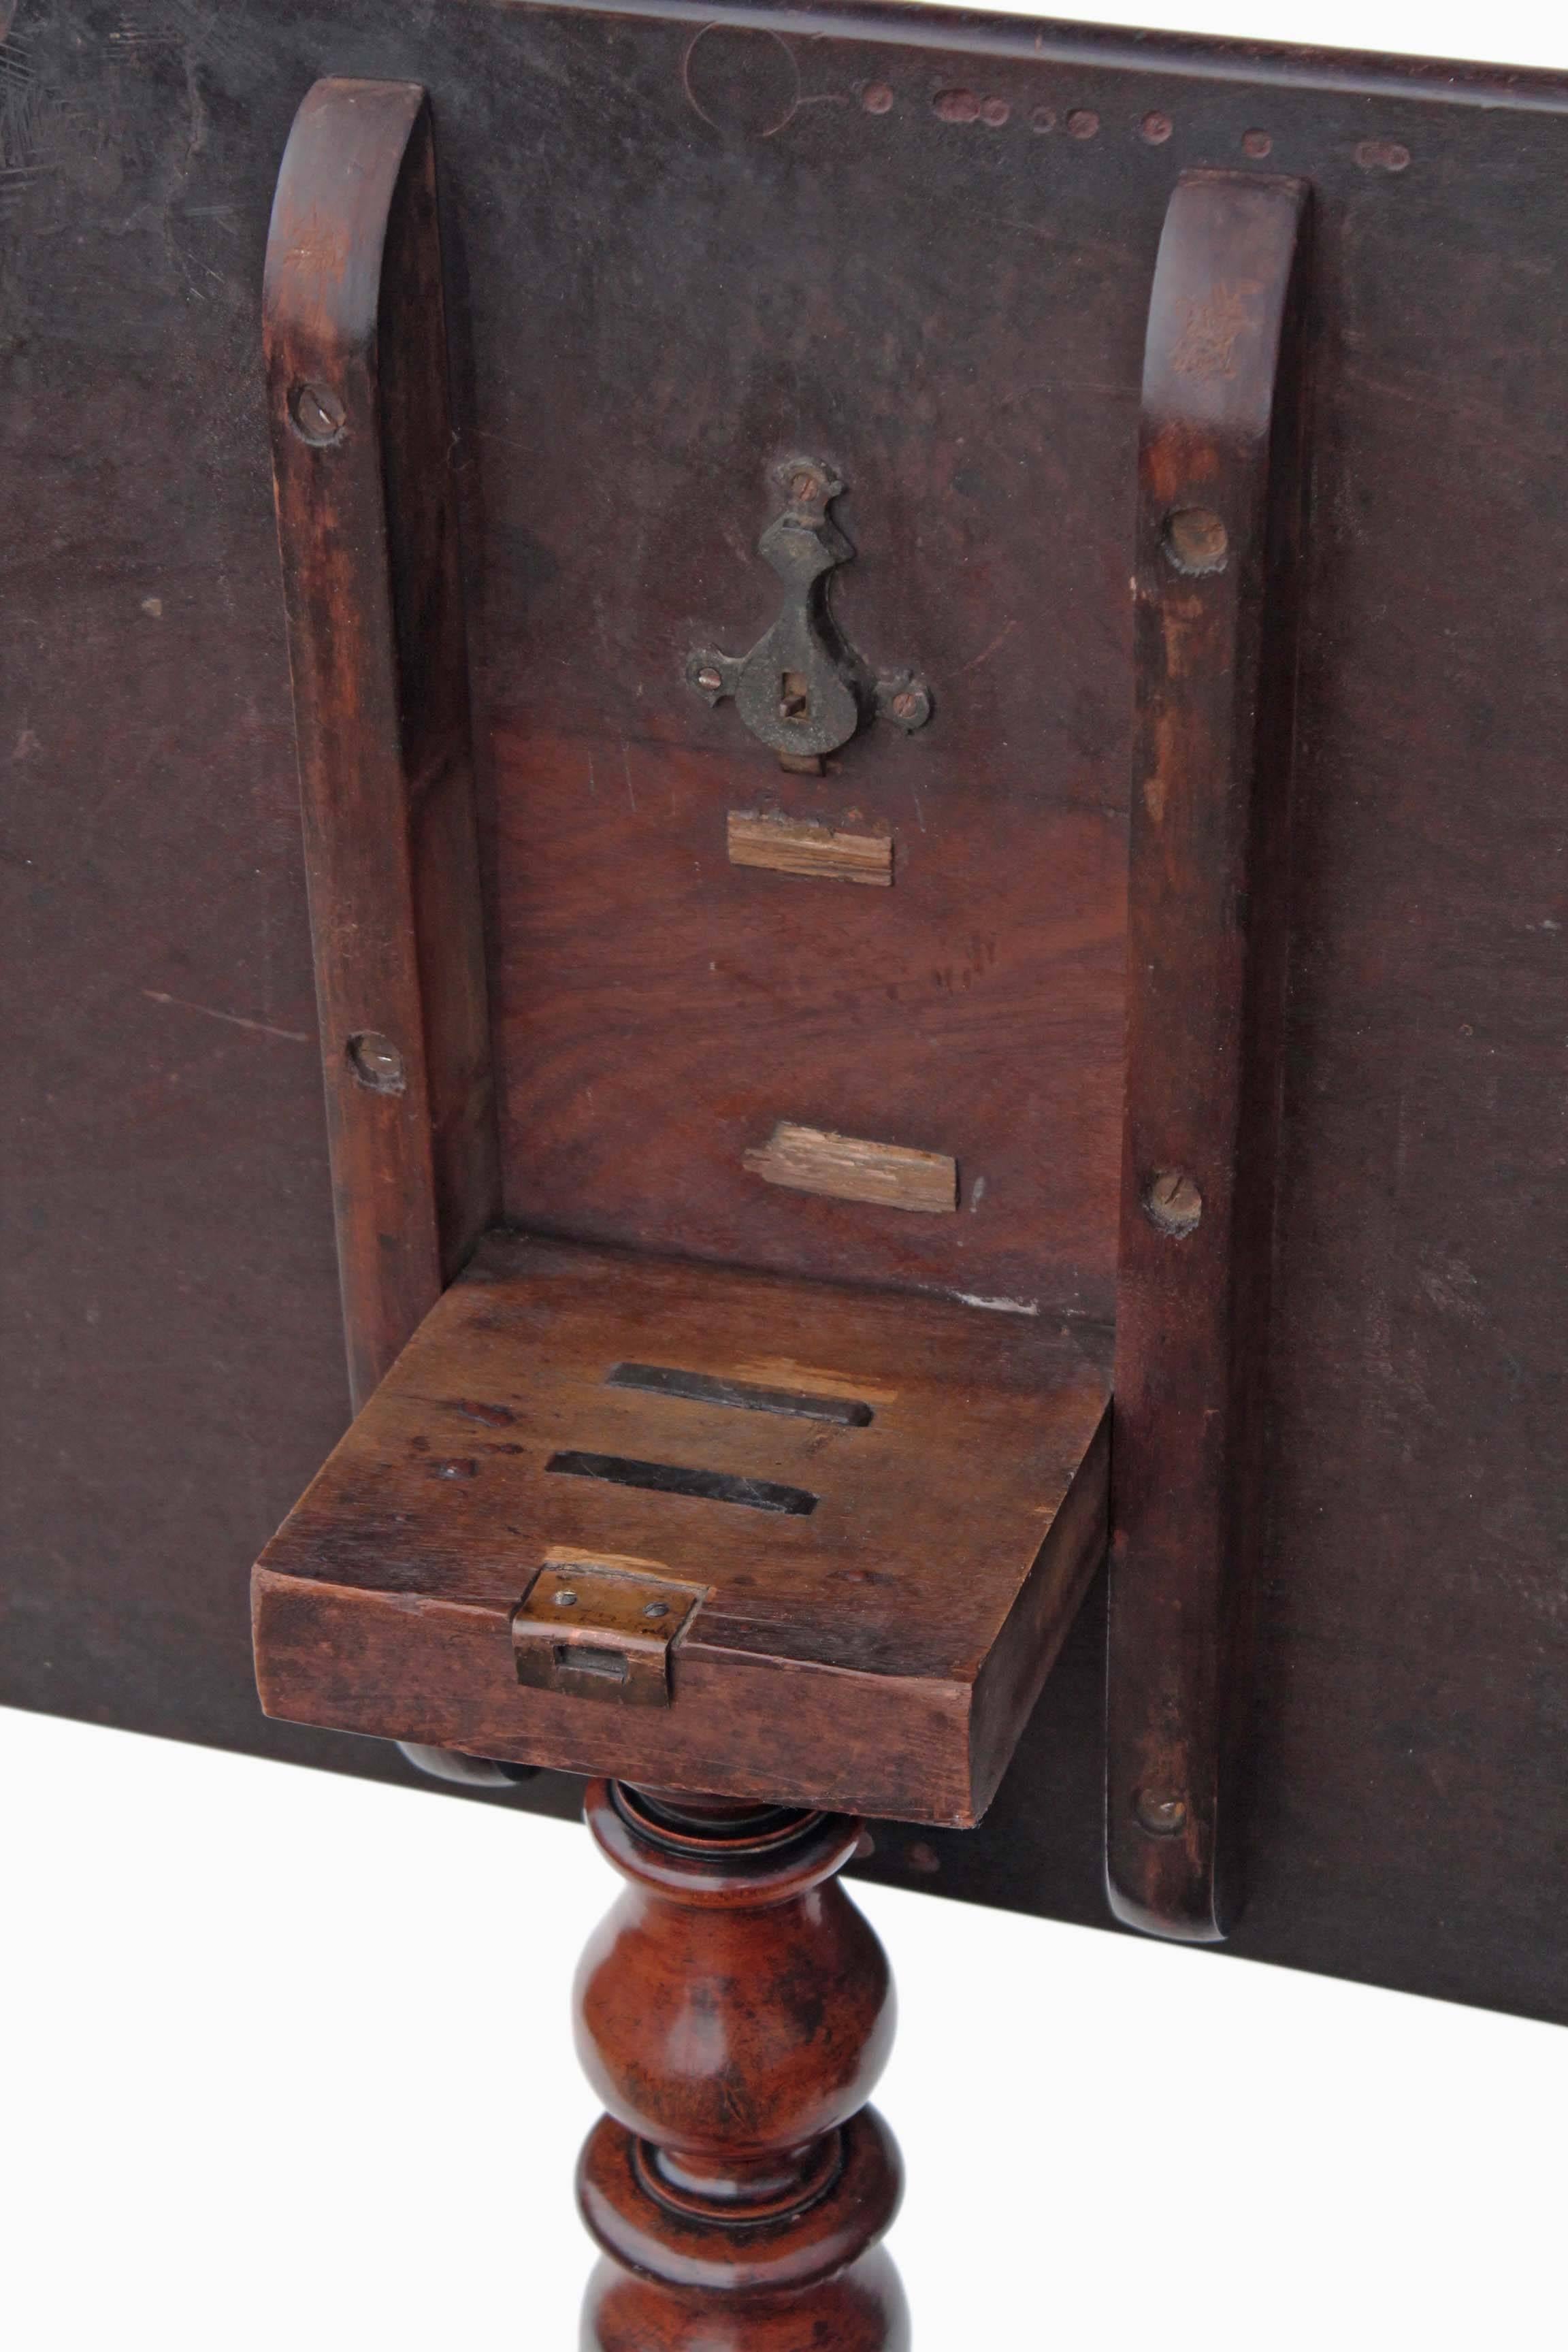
<point>735,2012</point>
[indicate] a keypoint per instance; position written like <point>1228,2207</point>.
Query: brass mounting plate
<point>601,1631</point>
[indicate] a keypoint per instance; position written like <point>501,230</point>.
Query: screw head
<point>709,679</point>
<point>905,700</point>
<point>1195,540</point>
<point>564,1600</point>
<point>376,1063</point>
<point>1173,1204</point>
<point>1257,143</point>
<point>656,1609</point>
<point>877,98</point>
<point>1160,1813</point>
<point>1156,128</point>
<point>316,414</point>
<point>805,481</point>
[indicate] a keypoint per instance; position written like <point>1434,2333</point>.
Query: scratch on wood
<point>800,846</point>
<point>994,646</point>
<point>318,246</point>
<point>1215,324</point>
<point>236,1020</point>
<point>632,1563</point>
<point>32,119</point>
<point>848,1168</point>
<point>786,1372</point>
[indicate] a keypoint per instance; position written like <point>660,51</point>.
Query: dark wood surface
<point>1219,558</point>
<point>735,2012</point>
<point>356,346</point>
<point>878,1598</point>
<point>178,1379</point>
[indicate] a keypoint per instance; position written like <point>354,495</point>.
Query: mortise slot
<point>668,1478</point>
<point>573,1658</point>
<point>746,1396</point>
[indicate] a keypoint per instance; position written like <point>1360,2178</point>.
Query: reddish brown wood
<point>362,439</point>
<point>1217,578</point>
<point>735,2012</point>
<point>874,1640</point>
<point>661,1011</point>
<point>651,300</point>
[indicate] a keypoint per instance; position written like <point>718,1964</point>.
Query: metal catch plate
<point>600,1633</point>
<point>803,690</point>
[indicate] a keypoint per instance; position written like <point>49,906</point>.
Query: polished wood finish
<point>891,1508</point>
<point>361,439</point>
<point>648,292</point>
<point>1218,560</point>
<point>735,2012</point>
<point>965,1528</point>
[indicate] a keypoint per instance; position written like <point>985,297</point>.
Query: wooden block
<point>790,844</point>
<point>878,1652</point>
<point>848,1168</point>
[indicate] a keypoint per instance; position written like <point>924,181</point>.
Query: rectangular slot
<point>571,1658</point>
<point>801,847</point>
<point>745,1396</point>
<point>850,1167</point>
<point>669,1478</point>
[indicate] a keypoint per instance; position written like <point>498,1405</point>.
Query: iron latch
<point>803,690</point>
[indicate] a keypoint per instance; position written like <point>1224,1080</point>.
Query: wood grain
<point>1219,555</point>
<point>735,2012</point>
<point>168,1188</point>
<point>883,1650</point>
<point>636,969</point>
<point>848,1168</point>
<point>800,846</point>
<point>356,369</point>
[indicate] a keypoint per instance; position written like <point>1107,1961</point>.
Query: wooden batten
<point>1217,576</point>
<point>361,443</point>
